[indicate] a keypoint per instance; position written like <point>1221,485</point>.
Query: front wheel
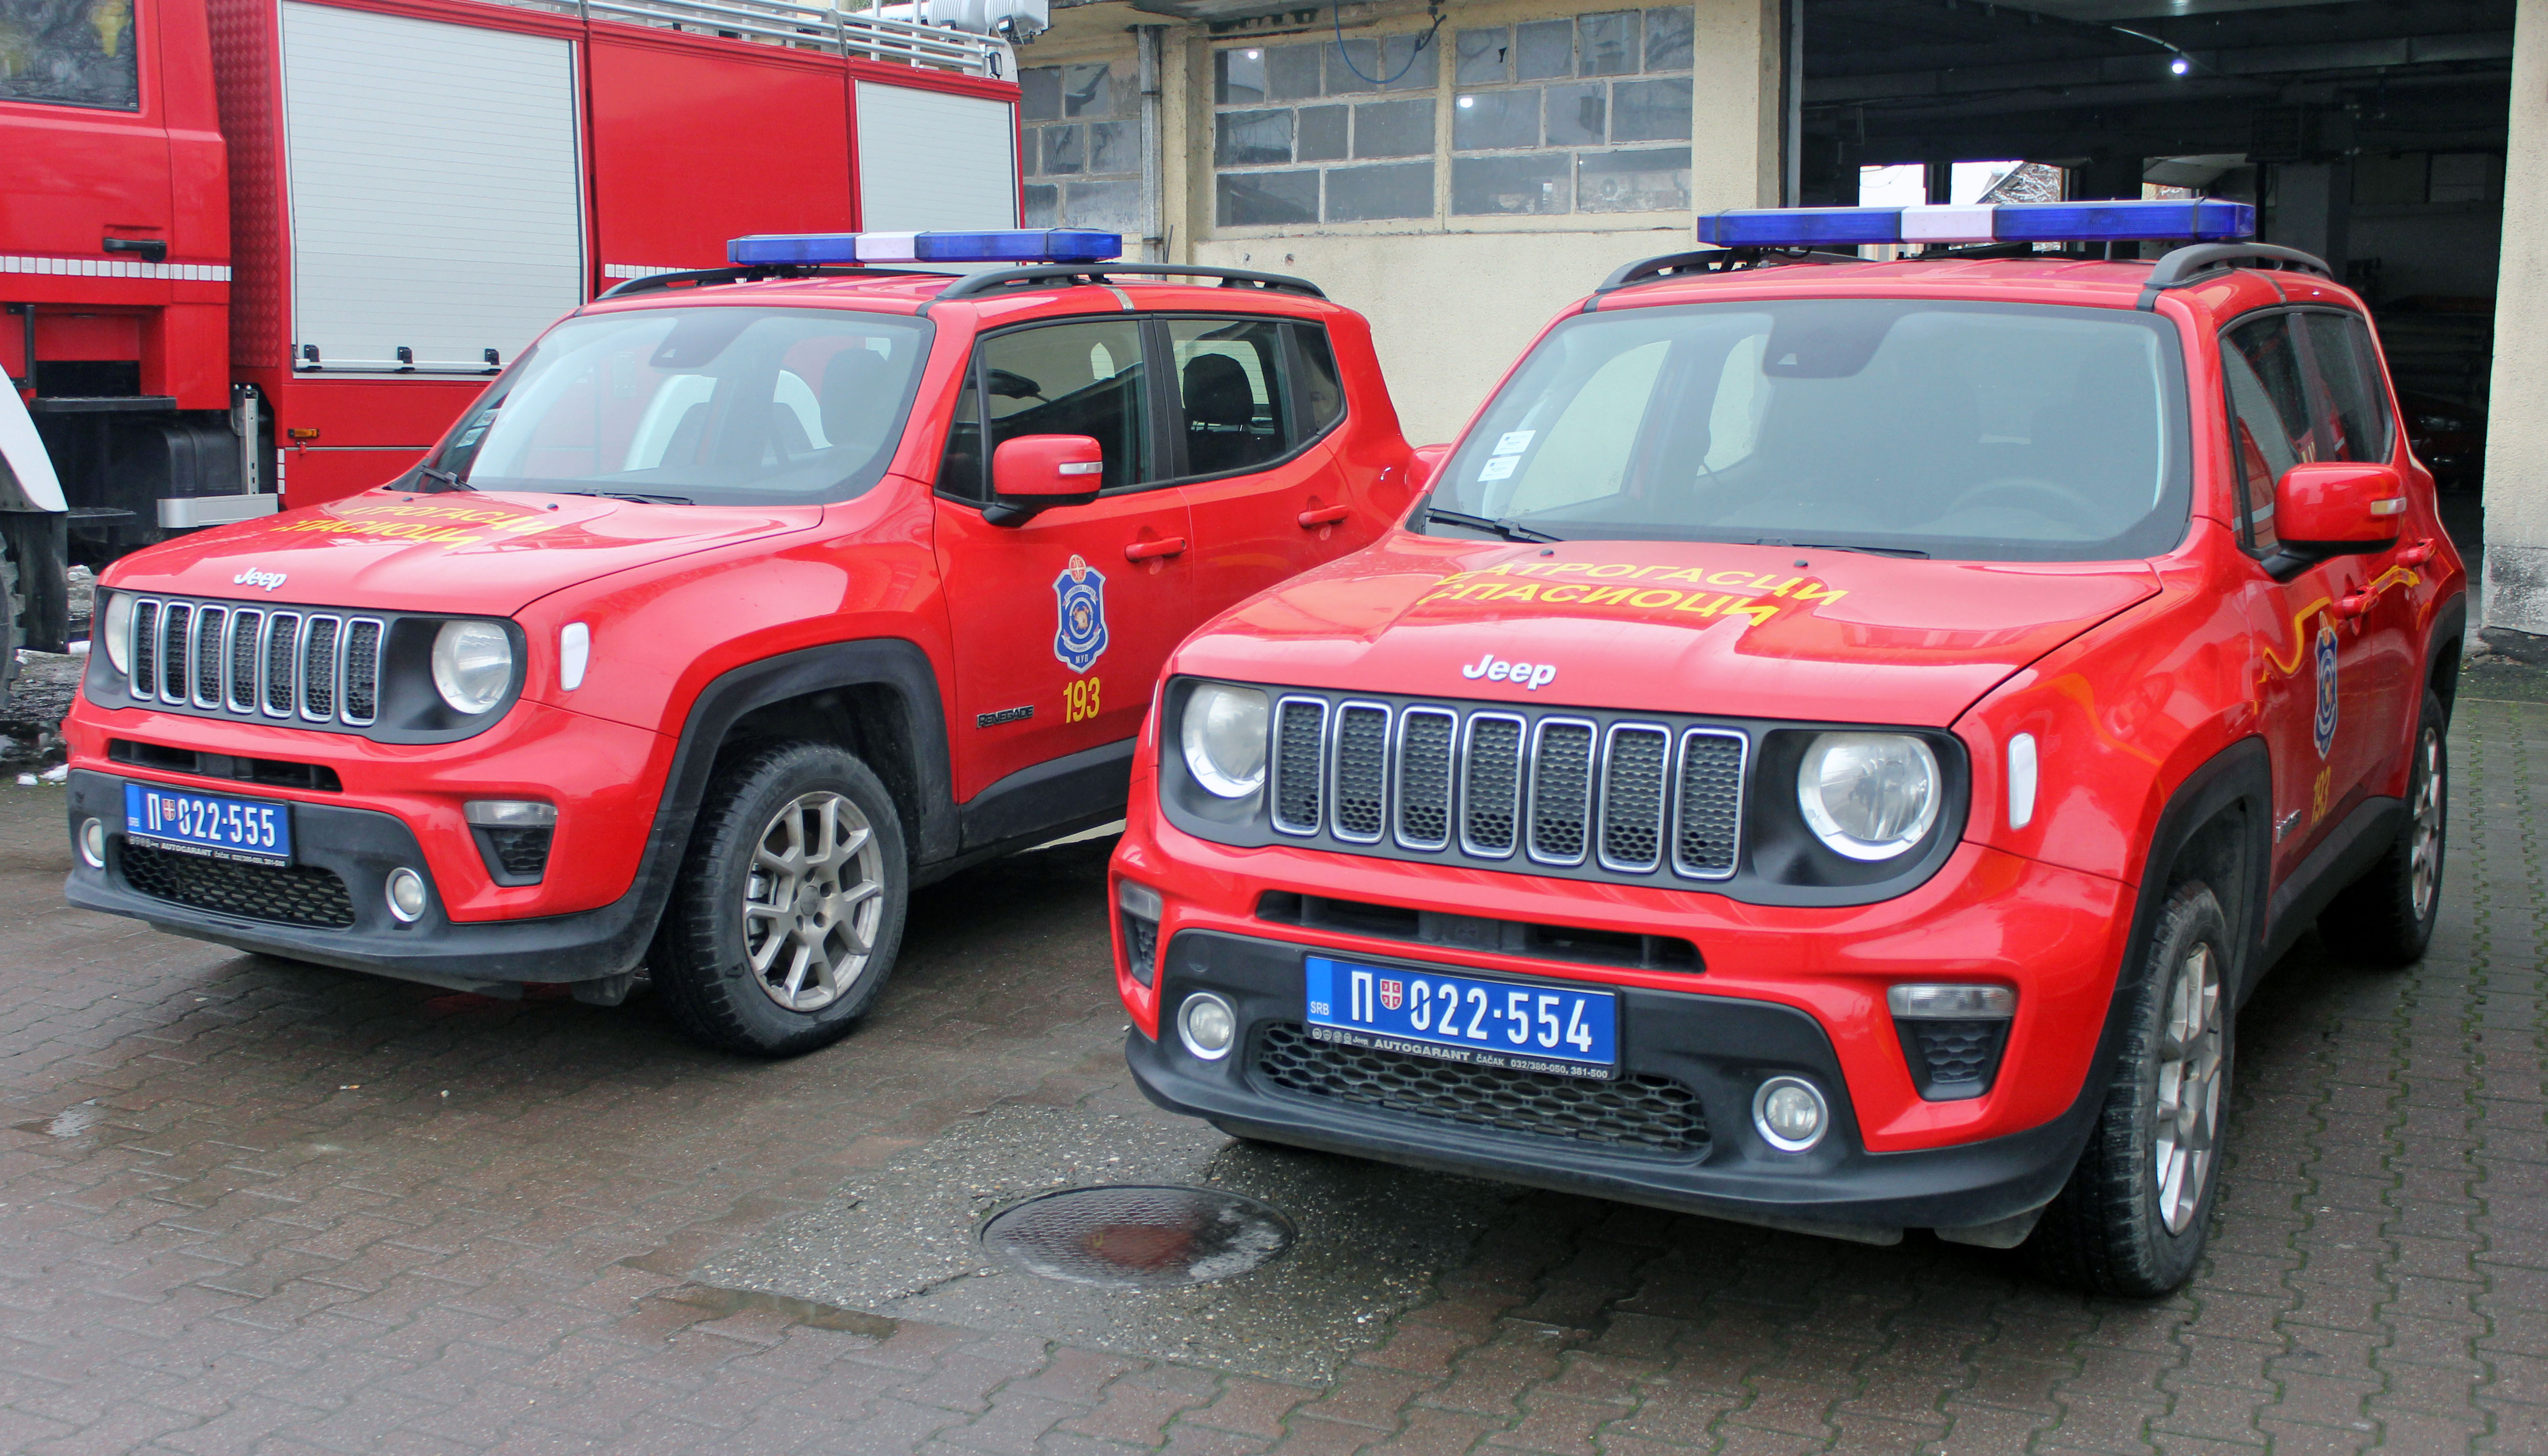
<point>2387,917</point>
<point>789,908</point>
<point>2133,1216</point>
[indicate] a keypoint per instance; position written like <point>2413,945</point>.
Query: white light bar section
<point>1947,223</point>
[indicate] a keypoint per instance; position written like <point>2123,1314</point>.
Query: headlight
<point>473,663</point>
<point>1224,738</point>
<point>118,632</point>
<point>1868,795</point>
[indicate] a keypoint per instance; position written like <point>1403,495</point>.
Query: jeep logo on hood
<point>266,580</point>
<point>1533,676</point>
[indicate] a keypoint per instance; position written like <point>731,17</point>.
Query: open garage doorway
<point>2370,132</point>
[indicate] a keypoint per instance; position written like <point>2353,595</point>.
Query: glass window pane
<point>1484,57</point>
<point>1073,379</point>
<point>1579,114</point>
<point>1265,199</point>
<point>1481,120</point>
<point>1245,139</point>
<point>1632,181</point>
<point>1650,111</point>
<point>74,54</point>
<point>1543,48</point>
<point>1393,190</point>
<point>2269,426</point>
<point>1668,39</point>
<point>2349,374</point>
<point>1321,133</point>
<point>1115,148</point>
<point>1230,393</point>
<point>1042,204</point>
<point>1065,149</point>
<point>1291,72</point>
<point>1389,63</point>
<point>1237,77</point>
<point>1610,44</point>
<point>1088,90</point>
<point>1111,207</point>
<point>960,470</point>
<point>1491,185</point>
<point>1394,127</point>
<point>1038,93</point>
<point>1323,392</point>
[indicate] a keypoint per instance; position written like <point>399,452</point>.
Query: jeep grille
<point>256,663</point>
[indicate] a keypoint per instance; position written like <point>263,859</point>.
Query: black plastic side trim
<point>2347,854</point>
<point>1094,782</point>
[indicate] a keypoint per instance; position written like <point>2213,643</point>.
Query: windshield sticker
<point>434,525</point>
<point>1499,467</point>
<point>1079,595</point>
<point>1513,442</point>
<point>1655,588</point>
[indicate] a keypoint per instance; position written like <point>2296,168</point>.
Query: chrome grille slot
<point>1491,785</point>
<point>1561,790</point>
<point>1707,811</point>
<point>246,625</point>
<point>176,634</point>
<point>281,660</point>
<point>211,631</point>
<point>1361,773</point>
<point>362,671</point>
<point>1633,778</point>
<point>144,648</point>
<point>1299,754</point>
<point>1424,739</point>
<point>319,668</point>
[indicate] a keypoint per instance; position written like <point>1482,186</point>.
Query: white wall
<point>2516,455</point>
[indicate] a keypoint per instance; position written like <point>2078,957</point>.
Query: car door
<point>1250,404</point>
<point>1062,622</point>
<point>2314,677</point>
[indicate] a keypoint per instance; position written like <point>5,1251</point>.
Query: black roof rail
<point>753,273</point>
<point>979,284</point>
<point>2181,266</point>
<point>1711,261</point>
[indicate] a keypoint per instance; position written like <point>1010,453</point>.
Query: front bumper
<point>359,847</point>
<point>1720,1047</point>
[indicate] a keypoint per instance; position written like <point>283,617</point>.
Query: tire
<point>745,960</point>
<point>2385,918</point>
<point>2135,1214</point>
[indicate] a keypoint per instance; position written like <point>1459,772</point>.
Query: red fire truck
<point>258,251</point>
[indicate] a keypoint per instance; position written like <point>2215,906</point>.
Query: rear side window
<point>1321,390</point>
<point>1230,393</point>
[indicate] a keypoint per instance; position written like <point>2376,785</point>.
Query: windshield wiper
<point>1509,529</point>
<point>449,480</point>
<point>637,496</point>
<point>1906,551</point>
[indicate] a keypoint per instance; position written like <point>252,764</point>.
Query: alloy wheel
<point>813,901</point>
<point>2188,1108</point>
<point>2425,850</point>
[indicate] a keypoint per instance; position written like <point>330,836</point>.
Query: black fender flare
<point>2450,623</point>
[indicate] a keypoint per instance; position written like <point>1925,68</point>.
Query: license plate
<point>1458,1018</point>
<point>207,824</point>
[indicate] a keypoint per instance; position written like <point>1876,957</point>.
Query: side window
<point>1073,379</point>
<point>1230,393</point>
<point>2356,409</point>
<point>71,55</point>
<point>960,470</point>
<point>2269,420</point>
<point>1322,391</point>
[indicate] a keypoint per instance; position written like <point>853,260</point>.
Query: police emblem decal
<point>1079,595</point>
<point>2323,725</point>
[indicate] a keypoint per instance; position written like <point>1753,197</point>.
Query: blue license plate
<point>1459,1018</point>
<point>207,824</point>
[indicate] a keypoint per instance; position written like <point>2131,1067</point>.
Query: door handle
<point>1323,515</point>
<point>2354,603</point>
<point>2417,554</point>
<point>151,249</point>
<point>1147,550</point>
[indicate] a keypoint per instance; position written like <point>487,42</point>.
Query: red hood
<point>1667,626</point>
<point>478,550</point>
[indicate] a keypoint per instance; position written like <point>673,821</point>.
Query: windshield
<point>709,406</point>
<point>1976,431</point>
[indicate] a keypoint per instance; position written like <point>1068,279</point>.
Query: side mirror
<point>2338,509</point>
<point>1033,473</point>
<point>1425,464</point>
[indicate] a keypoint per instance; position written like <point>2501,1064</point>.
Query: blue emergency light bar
<point>1023,245</point>
<point>2201,220</point>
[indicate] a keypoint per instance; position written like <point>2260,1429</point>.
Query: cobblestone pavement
<point>251,1206</point>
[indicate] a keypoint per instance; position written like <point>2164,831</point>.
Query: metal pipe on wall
<point>1153,218</point>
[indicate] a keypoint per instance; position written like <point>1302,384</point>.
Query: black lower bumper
<point>1720,1047</point>
<point>360,847</point>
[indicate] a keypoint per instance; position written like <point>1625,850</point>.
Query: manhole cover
<point>1137,1237</point>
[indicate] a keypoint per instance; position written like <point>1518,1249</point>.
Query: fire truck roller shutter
<point>436,195</point>
<point>932,160</point>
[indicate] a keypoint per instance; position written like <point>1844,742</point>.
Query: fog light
<point>92,843</point>
<point>1206,1024</point>
<point>1953,1035</point>
<point>1790,1114</point>
<point>407,895</point>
